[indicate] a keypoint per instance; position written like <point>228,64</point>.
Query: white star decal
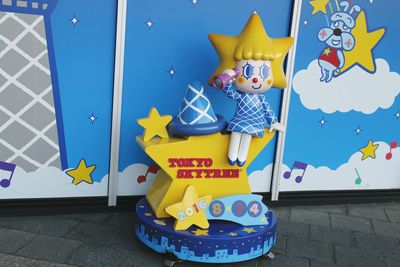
<point>194,2</point>
<point>172,71</point>
<point>92,118</point>
<point>149,23</point>
<point>322,121</point>
<point>74,20</point>
<point>397,114</point>
<point>358,130</point>
<point>305,23</point>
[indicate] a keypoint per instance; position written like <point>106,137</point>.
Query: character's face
<point>255,76</point>
<point>339,35</point>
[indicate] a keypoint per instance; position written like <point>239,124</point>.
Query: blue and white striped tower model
<point>196,115</point>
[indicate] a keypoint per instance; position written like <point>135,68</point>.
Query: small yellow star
<point>327,51</point>
<point>228,208</point>
<point>141,206</point>
<point>147,214</point>
<point>221,231</point>
<point>249,230</point>
<point>263,219</point>
<point>233,234</point>
<point>361,54</point>
<point>81,173</point>
<point>319,6</point>
<point>154,125</point>
<point>190,210</point>
<point>369,150</point>
<point>200,232</point>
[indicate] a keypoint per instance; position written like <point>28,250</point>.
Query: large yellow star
<point>190,210</point>
<point>319,6</point>
<point>369,150</point>
<point>154,125</point>
<point>230,48</point>
<point>365,41</point>
<point>81,173</point>
<point>168,187</point>
<point>249,230</point>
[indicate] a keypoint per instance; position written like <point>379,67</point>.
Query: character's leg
<point>330,75</point>
<point>244,148</point>
<point>323,72</point>
<point>234,147</point>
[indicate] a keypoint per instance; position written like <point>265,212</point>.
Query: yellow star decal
<point>249,230</point>
<point>327,51</point>
<point>233,234</point>
<point>154,125</point>
<point>200,232</point>
<point>190,210</point>
<point>263,219</point>
<point>319,6</point>
<point>369,150</point>
<point>147,214</point>
<point>168,188</point>
<point>81,173</point>
<point>365,41</point>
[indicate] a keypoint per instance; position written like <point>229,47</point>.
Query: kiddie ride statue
<point>200,207</point>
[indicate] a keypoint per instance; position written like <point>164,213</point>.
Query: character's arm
<point>341,60</point>
<point>269,113</point>
<point>230,91</point>
<point>271,117</point>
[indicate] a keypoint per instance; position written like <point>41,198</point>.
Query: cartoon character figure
<point>337,38</point>
<point>257,60</point>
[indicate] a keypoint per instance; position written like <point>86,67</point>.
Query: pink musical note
<point>153,168</point>
<point>393,145</point>
<point>296,165</point>
<point>9,167</point>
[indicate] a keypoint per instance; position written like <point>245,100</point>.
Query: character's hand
<point>277,126</point>
<point>231,73</point>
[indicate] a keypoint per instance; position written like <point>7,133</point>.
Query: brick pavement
<point>334,235</point>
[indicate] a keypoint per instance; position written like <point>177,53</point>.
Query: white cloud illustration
<point>355,89</point>
<point>260,181</point>
<point>378,173</point>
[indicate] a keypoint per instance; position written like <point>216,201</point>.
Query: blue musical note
<point>9,167</point>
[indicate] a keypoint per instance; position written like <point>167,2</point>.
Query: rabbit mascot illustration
<point>337,38</point>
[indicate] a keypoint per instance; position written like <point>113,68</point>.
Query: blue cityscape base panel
<point>222,242</point>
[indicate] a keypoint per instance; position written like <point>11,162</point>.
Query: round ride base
<point>222,242</point>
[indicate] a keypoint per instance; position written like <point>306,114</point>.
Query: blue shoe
<point>231,162</point>
<point>240,163</point>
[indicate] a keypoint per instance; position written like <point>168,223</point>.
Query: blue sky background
<point>333,144</point>
<point>84,54</point>
<point>180,39</point>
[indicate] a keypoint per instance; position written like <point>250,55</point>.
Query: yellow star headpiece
<point>252,43</point>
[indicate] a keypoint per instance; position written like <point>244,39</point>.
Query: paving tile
<point>15,261</point>
<point>89,255</point>
<point>391,262</point>
<point>372,241</point>
<point>315,263</point>
<point>122,220</point>
<point>357,257</point>
<point>249,263</point>
<point>392,205</point>
<point>331,235</point>
<point>310,216</point>
<point>370,211</point>
<point>280,245</point>
<point>309,249</point>
<point>393,215</point>
<point>49,248</point>
<point>12,240</point>
<point>351,223</point>
<point>387,228</point>
<point>98,218</point>
<point>128,240</point>
<point>93,233</point>
<point>48,225</point>
<point>293,229</point>
<point>338,209</point>
<point>284,261</point>
<point>282,212</point>
<point>40,263</point>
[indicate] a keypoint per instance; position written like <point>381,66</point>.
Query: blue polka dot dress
<point>253,112</point>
